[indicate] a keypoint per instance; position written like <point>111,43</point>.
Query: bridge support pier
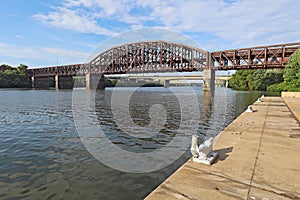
<point>64,82</point>
<point>167,83</point>
<point>32,81</point>
<point>209,80</point>
<point>95,81</point>
<point>40,82</point>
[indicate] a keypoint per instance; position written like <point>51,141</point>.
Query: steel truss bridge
<point>260,57</point>
<point>162,56</point>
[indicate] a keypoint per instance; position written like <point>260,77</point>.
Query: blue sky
<point>46,32</point>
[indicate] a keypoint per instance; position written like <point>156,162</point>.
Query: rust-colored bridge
<point>261,57</point>
<point>162,56</point>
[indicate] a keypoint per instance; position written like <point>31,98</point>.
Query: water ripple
<point>42,156</point>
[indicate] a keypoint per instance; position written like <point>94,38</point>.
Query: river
<point>43,157</point>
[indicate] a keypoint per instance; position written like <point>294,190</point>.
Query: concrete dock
<point>259,158</point>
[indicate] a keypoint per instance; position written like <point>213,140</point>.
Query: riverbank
<point>258,158</point>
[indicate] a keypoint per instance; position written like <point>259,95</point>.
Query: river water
<point>43,157</point>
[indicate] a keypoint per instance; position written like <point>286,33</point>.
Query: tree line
<point>274,80</point>
<point>14,77</point>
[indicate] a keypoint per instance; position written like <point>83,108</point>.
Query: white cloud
<point>102,8</point>
<point>15,51</point>
<point>19,36</point>
<point>65,18</point>
<point>47,55</point>
<point>64,53</point>
<point>90,45</point>
<point>242,22</point>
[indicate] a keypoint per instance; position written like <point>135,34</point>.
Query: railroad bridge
<point>163,56</point>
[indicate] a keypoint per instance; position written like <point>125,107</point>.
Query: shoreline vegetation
<point>271,80</point>
<point>14,77</point>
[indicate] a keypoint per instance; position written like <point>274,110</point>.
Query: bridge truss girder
<point>261,57</point>
<point>151,56</point>
<point>65,70</point>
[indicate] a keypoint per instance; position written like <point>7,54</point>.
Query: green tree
<point>291,76</point>
<point>4,67</point>
<point>14,77</point>
<point>292,73</point>
<point>258,79</point>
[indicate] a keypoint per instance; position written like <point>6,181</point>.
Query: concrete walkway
<point>259,158</point>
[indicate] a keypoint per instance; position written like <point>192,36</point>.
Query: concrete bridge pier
<point>209,74</point>
<point>207,101</point>
<point>40,82</point>
<point>32,81</point>
<point>95,81</point>
<point>167,83</point>
<point>226,83</point>
<point>209,80</point>
<point>64,82</point>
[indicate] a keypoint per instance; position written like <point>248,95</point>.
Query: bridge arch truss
<point>149,56</point>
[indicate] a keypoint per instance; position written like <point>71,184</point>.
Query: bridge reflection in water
<point>160,57</point>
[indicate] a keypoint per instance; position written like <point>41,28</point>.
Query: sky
<point>41,33</point>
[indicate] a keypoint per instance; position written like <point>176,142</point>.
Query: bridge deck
<point>259,158</point>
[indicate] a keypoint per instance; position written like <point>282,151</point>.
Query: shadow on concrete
<point>223,153</point>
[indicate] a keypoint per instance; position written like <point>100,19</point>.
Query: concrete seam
<point>175,191</point>
<point>236,181</point>
<point>218,175</point>
<point>258,150</point>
